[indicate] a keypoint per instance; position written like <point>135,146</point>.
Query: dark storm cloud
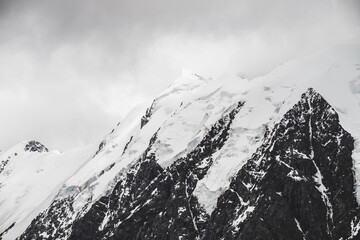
<point>69,70</point>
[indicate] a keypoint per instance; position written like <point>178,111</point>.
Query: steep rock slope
<point>180,116</point>
<point>118,214</point>
<point>298,185</point>
<point>173,170</point>
<point>30,177</point>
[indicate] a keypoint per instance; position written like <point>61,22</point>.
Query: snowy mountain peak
<point>188,78</point>
<point>31,146</point>
<point>190,75</point>
<point>35,146</point>
<point>222,158</point>
<point>26,146</point>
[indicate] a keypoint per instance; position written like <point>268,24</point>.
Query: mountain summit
<point>274,157</point>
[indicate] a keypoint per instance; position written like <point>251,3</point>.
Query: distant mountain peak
<point>272,157</point>
<point>189,78</point>
<point>188,74</point>
<point>35,146</point>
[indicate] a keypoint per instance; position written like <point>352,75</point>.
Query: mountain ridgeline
<point>299,184</point>
<point>272,158</point>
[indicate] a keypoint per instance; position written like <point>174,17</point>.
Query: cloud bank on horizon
<point>70,70</point>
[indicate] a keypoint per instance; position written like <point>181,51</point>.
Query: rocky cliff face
<point>35,146</point>
<point>277,157</point>
<point>27,146</point>
<point>299,184</point>
<point>150,203</point>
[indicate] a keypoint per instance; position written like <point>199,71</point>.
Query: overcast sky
<point>71,69</point>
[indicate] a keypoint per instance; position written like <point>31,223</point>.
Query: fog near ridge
<point>70,70</point>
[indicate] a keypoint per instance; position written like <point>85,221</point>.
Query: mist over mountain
<point>272,157</point>
<point>72,69</point>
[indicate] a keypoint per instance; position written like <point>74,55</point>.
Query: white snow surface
<point>182,115</point>
<point>30,181</point>
<point>335,74</point>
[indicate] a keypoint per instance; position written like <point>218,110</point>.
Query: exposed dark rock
<point>52,223</point>
<point>298,185</point>
<point>101,146</point>
<point>149,202</point>
<point>6,230</point>
<point>146,118</point>
<point>35,146</point>
<point>127,144</point>
<point>156,203</point>
<point>56,221</point>
<point>3,164</point>
<point>30,146</point>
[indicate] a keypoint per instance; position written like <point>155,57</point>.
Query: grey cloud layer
<point>72,69</point>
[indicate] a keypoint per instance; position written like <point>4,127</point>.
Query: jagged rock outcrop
<point>150,202</point>
<point>145,119</point>
<point>211,158</point>
<point>298,185</point>
<point>26,146</point>
<point>35,146</point>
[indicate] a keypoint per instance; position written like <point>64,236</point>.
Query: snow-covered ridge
<point>30,179</point>
<point>31,146</point>
<point>334,74</point>
<point>181,115</point>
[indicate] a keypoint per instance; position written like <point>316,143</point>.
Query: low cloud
<point>70,70</point>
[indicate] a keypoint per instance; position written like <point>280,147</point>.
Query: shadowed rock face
<point>30,146</point>
<point>298,185</point>
<point>150,202</point>
<point>145,119</point>
<point>35,146</point>
<point>153,202</point>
